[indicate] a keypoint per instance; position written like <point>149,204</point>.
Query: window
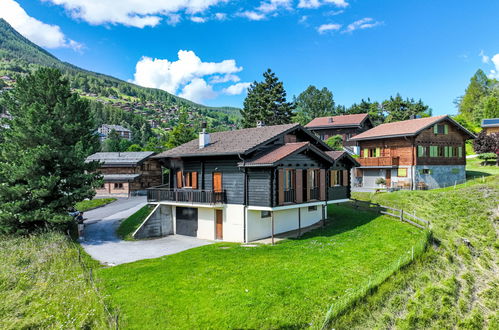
<point>335,178</point>
<point>314,178</point>
<point>187,180</point>
<point>118,186</point>
<point>402,172</point>
<point>433,151</point>
<point>441,129</point>
<point>422,151</point>
<point>425,171</point>
<point>441,152</point>
<point>289,179</point>
<point>312,208</point>
<point>372,152</point>
<point>265,214</point>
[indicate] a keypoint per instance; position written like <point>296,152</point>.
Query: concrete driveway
<point>101,242</point>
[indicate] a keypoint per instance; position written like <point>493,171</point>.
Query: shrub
<point>486,143</point>
<point>380,181</point>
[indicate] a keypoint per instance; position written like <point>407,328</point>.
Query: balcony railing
<point>314,193</point>
<point>289,196</point>
<point>185,196</point>
<point>379,161</point>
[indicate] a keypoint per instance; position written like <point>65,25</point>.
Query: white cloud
<point>198,19</point>
<point>303,19</point>
<point>137,13</point>
<point>40,33</point>
<point>237,89</point>
<point>252,15</point>
<point>185,75</point>
<point>485,58</point>
<point>273,5</point>
<point>328,27</point>
<point>220,16</point>
<point>365,23</point>
<point>309,4</point>
<point>173,19</point>
<point>494,73</point>
<point>198,91</point>
<point>338,3</point>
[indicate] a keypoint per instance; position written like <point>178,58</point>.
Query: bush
<point>488,156</point>
<point>335,142</point>
<point>486,143</point>
<point>381,181</point>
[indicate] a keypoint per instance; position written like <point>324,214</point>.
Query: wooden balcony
<point>191,196</point>
<point>378,161</point>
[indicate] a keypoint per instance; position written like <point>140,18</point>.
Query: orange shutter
<point>322,184</point>
<point>194,180</point>
<point>345,177</point>
<point>179,179</point>
<point>299,186</point>
<point>280,189</point>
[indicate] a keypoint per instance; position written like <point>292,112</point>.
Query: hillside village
<point>130,207</point>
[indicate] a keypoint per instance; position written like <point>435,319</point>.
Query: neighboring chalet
<point>347,126</point>
<point>247,184</point>
<point>127,173</point>
<point>123,132</point>
<point>491,125</point>
<point>422,153</point>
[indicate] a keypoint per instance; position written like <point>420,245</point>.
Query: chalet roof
<point>229,142</point>
<point>338,121</point>
<point>405,128</point>
<point>491,122</point>
<point>337,155</point>
<point>120,177</point>
<point>120,158</point>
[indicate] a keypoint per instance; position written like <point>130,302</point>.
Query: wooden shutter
<point>446,129</point>
<point>194,179</point>
<point>299,186</point>
<point>378,152</point>
<point>179,179</point>
<point>366,153</point>
<point>346,173</point>
<point>280,187</point>
<point>322,184</point>
<point>435,129</point>
<point>460,151</point>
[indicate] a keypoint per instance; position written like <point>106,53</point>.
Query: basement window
<point>265,214</point>
<point>312,208</point>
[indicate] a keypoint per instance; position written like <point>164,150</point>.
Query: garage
<point>186,221</point>
<point>370,176</point>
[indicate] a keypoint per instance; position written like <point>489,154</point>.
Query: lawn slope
<point>290,285</point>
<point>455,284</point>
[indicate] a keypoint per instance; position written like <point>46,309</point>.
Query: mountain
<point>159,108</point>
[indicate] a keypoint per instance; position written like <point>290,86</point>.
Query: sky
<point>209,51</point>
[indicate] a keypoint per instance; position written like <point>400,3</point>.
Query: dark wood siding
<point>259,183</point>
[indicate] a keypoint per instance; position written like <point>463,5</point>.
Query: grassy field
<point>454,284</point>
<point>292,284</point>
<point>93,203</point>
<point>475,170</point>
<point>129,225</point>
<point>43,286</point>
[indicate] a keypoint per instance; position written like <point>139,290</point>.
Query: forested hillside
<point>115,101</point>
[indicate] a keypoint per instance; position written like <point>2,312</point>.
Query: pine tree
<point>266,101</point>
<point>182,132</point>
<point>42,158</point>
<point>476,90</point>
<point>313,103</point>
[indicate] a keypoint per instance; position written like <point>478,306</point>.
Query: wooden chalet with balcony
<point>247,184</point>
<point>422,153</point>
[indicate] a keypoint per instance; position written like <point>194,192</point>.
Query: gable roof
<point>119,158</point>
<point>235,142</point>
<point>338,121</point>
<point>491,122</point>
<point>409,127</point>
<point>337,155</point>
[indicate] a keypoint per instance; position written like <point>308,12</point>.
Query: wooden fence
<point>397,213</point>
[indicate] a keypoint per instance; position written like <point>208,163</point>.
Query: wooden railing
<point>379,161</point>
<point>158,194</point>
<point>314,193</point>
<point>337,192</point>
<point>289,196</point>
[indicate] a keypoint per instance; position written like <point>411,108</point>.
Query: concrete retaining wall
<point>158,224</point>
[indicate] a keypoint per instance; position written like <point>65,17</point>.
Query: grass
<point>129,225</point>
<point>93,203</point>
<point>44,286</point>
<point>290,285</point>
<point>453,284</point>
<point>474,169</point>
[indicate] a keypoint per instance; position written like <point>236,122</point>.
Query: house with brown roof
<point>247,184</point>
<point>347,126</point>
<point>422,153</point>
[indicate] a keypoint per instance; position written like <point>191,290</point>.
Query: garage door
<point>370,176</point>
<point>187,221</point>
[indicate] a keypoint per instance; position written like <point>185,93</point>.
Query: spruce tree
<point>42,158</point>
<point>266,101</point>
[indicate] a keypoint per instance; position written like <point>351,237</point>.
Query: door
<point>219,224</point>
<point>388,178</point>
<point>186,221</point>
<point>217,182</point>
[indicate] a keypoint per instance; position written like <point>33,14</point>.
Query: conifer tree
<point>42,158</point>
<point>266,101</point>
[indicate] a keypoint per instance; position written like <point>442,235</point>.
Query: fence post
<point>401,215</point>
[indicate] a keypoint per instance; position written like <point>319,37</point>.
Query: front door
<point>388,178</point>
<point>219,224</point>
<point>217,182</point>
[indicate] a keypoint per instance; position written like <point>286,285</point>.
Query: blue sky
<point>357,49</point>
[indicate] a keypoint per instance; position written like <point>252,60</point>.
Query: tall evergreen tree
<point>42,158</point>
<point>182,133</point>
<point>478,88</point>
<point>398,109</point>
<point>266,101</point>
<point>313,103</point>
<point>372,108</point>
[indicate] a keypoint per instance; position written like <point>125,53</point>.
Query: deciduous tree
<point>313,103</point>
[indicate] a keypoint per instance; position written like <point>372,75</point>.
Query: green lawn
<point>93,203</point>
<point>474,169</point>
<point>453,284</point>
<point>44,286</point>
<point>290,285</point>
<point>129,225</point>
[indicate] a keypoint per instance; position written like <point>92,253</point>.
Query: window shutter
<point>420,151</point>
<point>366,153</point>
<point>194,180</point>
<point>280,187</point>
<point>346,173</point>
<point>309,183</point>
<point>378,152</point>
<point>460,151</point>
<point>179,179</point>
<point>322,184</point>
<point>451,151</point>
<point>446,129</point>
<point>446,151</point>
<point>299,186</point>
<point>435,129</point>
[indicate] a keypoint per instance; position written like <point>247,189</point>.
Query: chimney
<point>204,138</point>
<point>330,119</point>
<point>260,123</point>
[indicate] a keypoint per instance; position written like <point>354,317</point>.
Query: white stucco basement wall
<point>206,223</point>
<point>233,223</point>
